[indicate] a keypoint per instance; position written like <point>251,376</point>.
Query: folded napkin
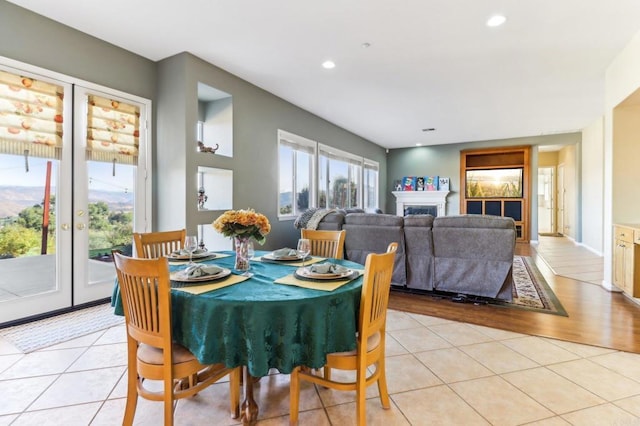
<point>284,252</point>
<point>200,270</point>
<point>327,268</point>
<point>184,252</point>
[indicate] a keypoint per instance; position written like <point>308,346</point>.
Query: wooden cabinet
<point>496,182</point>
<point>626,258</point>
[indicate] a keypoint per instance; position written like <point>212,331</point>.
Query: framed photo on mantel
<point>408,183</point>
<point>443,183</point>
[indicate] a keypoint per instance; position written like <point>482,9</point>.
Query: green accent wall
<point>444,161</point>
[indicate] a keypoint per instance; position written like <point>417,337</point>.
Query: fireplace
<point>415,200</point>
<point>432,210</point>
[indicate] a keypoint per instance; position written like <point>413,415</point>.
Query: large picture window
<point>317,175</point>
<point>339,179</point>
<point>296,158</point>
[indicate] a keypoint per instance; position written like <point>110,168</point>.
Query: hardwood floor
<point>596,316</point>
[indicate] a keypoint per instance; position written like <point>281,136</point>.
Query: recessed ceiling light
<point>418,144</point>
<point>328,65</point>
<point>496,21</point>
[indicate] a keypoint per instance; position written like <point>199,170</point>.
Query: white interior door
<point>560,198</point>
<point>546,200</point>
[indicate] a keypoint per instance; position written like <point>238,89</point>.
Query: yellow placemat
<point>199,289</point>
<point>315,285</point>
<point>184,262</point>
<point>311,261</point>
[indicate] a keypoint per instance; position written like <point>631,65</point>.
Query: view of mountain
<point>14,199</point>
<point>285,198</point>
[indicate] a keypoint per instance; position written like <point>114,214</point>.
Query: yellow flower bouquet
<point>243,224</point>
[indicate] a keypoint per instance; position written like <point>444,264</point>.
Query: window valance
<point>113,130</point>
<point>30,116</point>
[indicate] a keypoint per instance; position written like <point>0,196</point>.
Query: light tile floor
<point>569,259</point>
<point>439,372</point>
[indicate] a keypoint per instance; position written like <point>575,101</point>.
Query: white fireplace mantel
<point>421,198</point>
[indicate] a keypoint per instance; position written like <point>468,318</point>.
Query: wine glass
<point>190,245</point>
<point>304,248</point>
<point>251,251</point>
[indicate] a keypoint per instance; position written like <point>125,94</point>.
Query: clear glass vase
<point>242,253</point>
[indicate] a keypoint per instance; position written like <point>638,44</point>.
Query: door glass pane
<point>27,228</point>
<point>110,208</point>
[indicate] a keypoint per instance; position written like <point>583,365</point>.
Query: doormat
<point>530,291</point>
<point>61,328</point>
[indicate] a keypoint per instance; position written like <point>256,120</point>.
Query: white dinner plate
<point>180,276</point>
<point>196,255</point>
<point>284,258</point>
<point>306,273</point>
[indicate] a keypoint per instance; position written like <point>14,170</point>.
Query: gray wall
<point>39,41</point>
<point>172,86</point>
<point>444,160</point>
<point>33,39</point>
<point>257,116</point>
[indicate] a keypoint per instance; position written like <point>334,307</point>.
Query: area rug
<point>61,328</point>
<point>531,291</point>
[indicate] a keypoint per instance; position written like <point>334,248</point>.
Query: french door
<point>65,212</point>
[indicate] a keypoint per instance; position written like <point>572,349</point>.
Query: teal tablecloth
<point>264,325</point>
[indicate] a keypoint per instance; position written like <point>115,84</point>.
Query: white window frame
<point>337,154</point>
<point>371,165</point>
<point>298,144</point>
<point>316,150</point>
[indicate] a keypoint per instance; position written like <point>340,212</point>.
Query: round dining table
<point>260,324</point>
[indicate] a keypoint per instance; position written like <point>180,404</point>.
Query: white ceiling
<point>431,63</point>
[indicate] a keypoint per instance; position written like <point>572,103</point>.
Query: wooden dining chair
<point>370,342</point>
<point>325,243</point>
<point>151,353</point>
<point>157,244</point>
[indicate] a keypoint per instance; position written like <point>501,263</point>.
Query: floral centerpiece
<point>242,225</point>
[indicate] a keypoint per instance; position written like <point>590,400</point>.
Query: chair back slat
<point>152,245</point>
<point>325,243</point>
<point>375,293</point>
<point>145,291</point>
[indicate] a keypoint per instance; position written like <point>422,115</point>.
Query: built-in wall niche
<point>215,188</point>
<point>215,121</point>
<point>495,181</point>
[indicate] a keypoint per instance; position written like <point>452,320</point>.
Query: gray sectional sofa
<point>468,254</point>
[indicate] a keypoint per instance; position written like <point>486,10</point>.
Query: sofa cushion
<point>374,219</point>
<point>421,220</point>
<point>371,233</point>
<point>474,221</point>
<point>418,238</point>
<point>332,222</point>
<point>474,255</point>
